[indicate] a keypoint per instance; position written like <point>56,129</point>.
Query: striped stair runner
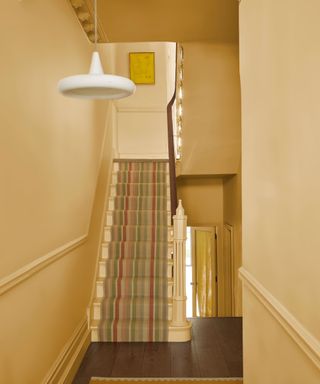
<point>132,288</point>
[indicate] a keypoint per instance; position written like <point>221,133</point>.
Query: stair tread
<point>162,227</point>
<point>117,226</point>
<point>134,267</point>
<point>102,279</point>
<point>99,300</point>
<point>140,260</point>
<point>133,232</point>
<point>139,203</point>
<point>162,184</point>
<point>140,197</point>
<point>167,279</point>
<point>134,249</point>
<point>142,171</point>
<point>126,322</point>
<point>140,211</point>
<point>96,323</point>
<point>130,242</point>
<point>166,258</point>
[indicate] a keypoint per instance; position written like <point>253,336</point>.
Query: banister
<point>171,151</point>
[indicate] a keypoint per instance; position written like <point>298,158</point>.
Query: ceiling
<point>169,20</point>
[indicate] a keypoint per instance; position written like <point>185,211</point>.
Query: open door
<point>204,271</point>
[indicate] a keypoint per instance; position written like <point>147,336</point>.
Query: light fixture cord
<point>95,25</point>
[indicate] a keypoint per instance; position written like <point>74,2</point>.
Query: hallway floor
<point>215,351</point>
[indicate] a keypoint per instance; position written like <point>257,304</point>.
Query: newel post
<point>179,322</point>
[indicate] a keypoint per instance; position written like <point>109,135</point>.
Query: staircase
<point>134,284</point>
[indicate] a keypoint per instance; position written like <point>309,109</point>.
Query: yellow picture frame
<point>142,67</point>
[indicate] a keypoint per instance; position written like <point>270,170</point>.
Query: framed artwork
<point>142,67</point>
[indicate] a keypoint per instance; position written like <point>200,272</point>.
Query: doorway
<point>201,272</point>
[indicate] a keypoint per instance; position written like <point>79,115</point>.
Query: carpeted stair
<point>132,288</point>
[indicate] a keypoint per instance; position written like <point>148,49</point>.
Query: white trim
<point>154,109</point>
<point>69,359</point>
<point>101,234</point>
<point>23,273</point>
<point>145,156</point>
<point>229,229</point>
<point>302,337</point>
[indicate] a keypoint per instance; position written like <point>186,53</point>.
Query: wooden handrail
<point>172,158</point>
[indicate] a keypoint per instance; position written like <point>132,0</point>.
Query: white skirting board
<point>69,359</point>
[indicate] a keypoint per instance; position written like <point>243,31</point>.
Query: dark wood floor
<point>215,351</point>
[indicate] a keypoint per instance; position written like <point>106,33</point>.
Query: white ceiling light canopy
<point>96,85</point>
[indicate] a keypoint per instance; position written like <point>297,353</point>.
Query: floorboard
<point>128,360</point>
<point>157,360</point>
<point>184,360</point>
<point>214,351</point>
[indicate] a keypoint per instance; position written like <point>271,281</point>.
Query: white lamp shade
<point>96,85</point>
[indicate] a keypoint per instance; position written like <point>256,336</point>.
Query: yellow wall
<point>202,198</point>
<point>280,60</point>
<point>142,118</point>
<point>232,215</point>
<point>50,149</point>
<point>211,109</point>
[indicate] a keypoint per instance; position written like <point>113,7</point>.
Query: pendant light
<point>96,85</point>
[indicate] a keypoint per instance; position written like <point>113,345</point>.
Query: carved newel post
<point>179,285</point>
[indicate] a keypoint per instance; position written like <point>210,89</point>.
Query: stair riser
<point>125,234</point>
<point>135,178</point>
<point>123,334</point>
<point>138,190</point>
<point>106,253</point>
<point>117,166</point>
<point>107,269</point>
<point>135,219</point>
<point>97,312</point>
<point>100,290</point>
<point>127,271</point>
<point>133,204</point>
